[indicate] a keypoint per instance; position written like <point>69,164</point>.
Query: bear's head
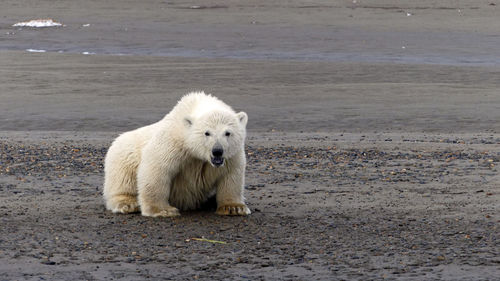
<point>216,136</point>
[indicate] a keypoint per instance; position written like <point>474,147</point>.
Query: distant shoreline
<point>457,34</point>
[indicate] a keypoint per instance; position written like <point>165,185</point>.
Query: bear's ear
<point>243,117</point>
<point>188,122</point>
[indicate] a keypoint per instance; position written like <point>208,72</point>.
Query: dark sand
<point>365,160</point>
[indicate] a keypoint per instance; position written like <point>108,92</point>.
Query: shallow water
<point>309,43</point>
<point>451,33</point>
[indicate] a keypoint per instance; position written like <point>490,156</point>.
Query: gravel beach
<point>373,138</point>
<point>328,206</point>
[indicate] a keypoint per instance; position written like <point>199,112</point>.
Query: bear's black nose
<point>217,152</point>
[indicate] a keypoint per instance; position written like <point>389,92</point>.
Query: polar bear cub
<point>195,152</point>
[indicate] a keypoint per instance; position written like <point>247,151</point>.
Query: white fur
<point>167,166</point>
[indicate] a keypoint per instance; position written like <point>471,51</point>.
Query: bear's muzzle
<point>217,159</point>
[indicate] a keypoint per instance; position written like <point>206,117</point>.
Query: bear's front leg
<point>230,199</point>
<point>154,177</point>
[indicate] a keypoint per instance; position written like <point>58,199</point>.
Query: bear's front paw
<point>166,212</point>
<point>125,208</point>
<point>123,204</point>
<point>233,210</point>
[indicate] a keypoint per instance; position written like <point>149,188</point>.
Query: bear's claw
<point>233,210</point>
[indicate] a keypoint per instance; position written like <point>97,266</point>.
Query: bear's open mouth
<point>217,161</point>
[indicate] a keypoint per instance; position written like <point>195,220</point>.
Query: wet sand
<point>358,167</point>
<point>116,93</point>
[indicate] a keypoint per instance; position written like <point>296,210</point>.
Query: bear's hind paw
<point>233,210</point>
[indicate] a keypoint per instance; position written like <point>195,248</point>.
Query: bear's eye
<point>228,134</point>
<point>207,133</point>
